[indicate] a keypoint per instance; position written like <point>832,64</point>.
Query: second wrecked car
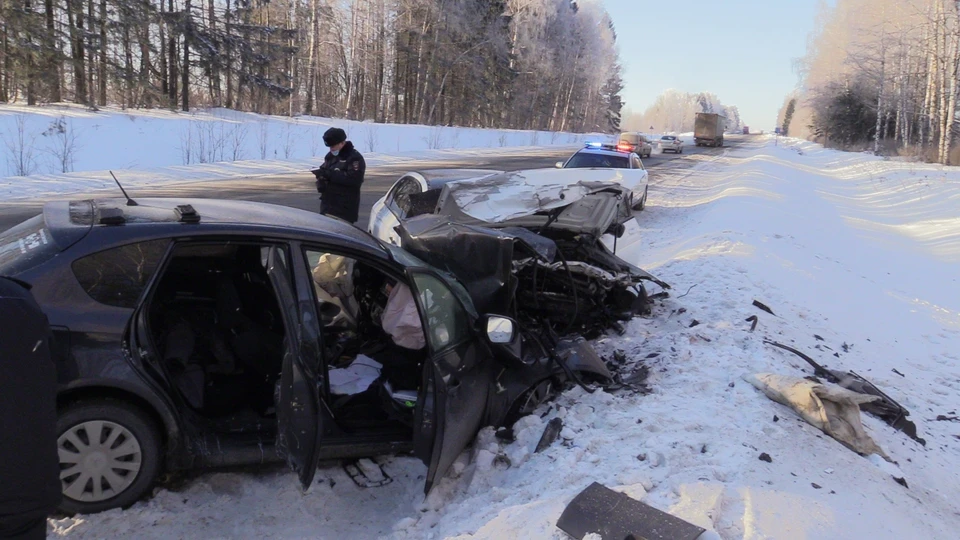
<point>537,245</point>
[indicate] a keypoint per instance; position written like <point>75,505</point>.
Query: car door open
<point>298,396</point>
<point>456,380</point>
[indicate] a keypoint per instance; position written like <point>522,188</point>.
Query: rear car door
<point>457,378</point>
<point>298,394</point>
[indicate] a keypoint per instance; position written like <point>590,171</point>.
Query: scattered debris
<point>845,347</point>
<point>705,338</point>
<point>550,434</point>
<point>730,385</point>
<point>598,510</point>
<point>652,355</point>
<point>776,418</point>
<point>693,323</point>
<point>901,481</point>
<point>505,434</point>
<point>897,372</point>
<point>816,486</point>
<point>944,418</point>
<point>764,307</point>
<point>828,407</point>
<point>818,338</point>
<point>828,471</point>
<point>753,319</point>
<point>688,291</point>
<point>641,457</point>
<point>766,457</point>
<point>366,473</point>
<point>884,408</point>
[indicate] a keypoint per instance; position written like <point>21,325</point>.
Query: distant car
<point>639,143</point>
<point>413,194</point>
<point>196,333</point>
<point>671,143</point>
<point>620,156</point>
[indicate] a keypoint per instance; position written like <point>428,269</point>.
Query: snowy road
<point>297,189</point>
<point>860,252</point>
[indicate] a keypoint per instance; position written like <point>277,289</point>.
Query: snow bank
<point>855,250</point>
<point>857,258</point>
<point>112,138</point>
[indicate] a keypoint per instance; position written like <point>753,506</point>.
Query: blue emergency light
<point>594,144</point>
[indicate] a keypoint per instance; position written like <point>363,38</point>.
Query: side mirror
<point>559,165</point>
<point>503,336</point>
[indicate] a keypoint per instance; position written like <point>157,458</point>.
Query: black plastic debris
<point>616,516</point>
<point>753,319</point>
<point>766,457</point>
<point>367,474</point>
<point>764,307</point>
<point>550,434</point>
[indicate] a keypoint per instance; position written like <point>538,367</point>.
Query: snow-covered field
<point>161,146</point>
<point>861,252</point>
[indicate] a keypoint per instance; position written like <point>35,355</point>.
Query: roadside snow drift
<point>856,257</point>
<point>158,145</point>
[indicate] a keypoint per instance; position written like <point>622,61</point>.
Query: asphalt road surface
<point>298,190</point>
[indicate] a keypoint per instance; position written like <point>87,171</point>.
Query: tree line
<point>675,112</point>
<point>524,64</point>
<point>881,75</point>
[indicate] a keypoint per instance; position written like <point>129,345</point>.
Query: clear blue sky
<point>741,50</point>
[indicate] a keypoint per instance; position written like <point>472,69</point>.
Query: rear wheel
<point>109,455</point>
<point>643,201</point>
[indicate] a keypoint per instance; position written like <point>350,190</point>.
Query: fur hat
<point>334,136</point>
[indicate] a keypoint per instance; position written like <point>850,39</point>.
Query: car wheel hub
<point>98,460</point>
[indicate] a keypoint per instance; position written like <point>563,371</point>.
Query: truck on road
<point>708,129</point>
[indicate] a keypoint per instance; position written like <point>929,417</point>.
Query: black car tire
<point>132,422</point>
<point>643,201</point>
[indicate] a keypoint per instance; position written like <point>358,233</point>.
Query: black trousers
<point>23,528</point>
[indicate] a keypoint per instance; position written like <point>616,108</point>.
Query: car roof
<point>214,214</point>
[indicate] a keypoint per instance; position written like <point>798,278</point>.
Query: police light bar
<point>594,144</point>
<point>624,147</point>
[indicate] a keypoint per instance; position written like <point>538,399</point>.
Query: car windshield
<point>668,138</point>
<point>584,160</point>
<point>25,246</point>
<point>630,138</point>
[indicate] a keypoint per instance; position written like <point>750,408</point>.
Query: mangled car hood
<point>512,270</point>
<point>580,201</point>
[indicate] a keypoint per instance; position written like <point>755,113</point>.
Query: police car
<point>596,155</point>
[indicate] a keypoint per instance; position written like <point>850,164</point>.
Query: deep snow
<point>161,146</point>
<point>856,250</point>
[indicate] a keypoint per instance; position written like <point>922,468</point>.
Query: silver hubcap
<point>98,460</point>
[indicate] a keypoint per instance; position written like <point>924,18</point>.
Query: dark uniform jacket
<point>29,466</point>
<point>338,182</point>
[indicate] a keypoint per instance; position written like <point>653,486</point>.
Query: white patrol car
<point>597,155</point>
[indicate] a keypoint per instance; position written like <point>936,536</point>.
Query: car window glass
<point>399,199</point>
<point>117,277</point>
<point>629,137</point>
<point>447,320</point>
<point>580,161</point>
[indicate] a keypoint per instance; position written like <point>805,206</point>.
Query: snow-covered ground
<point>151,146</point>
<point>861,252</point>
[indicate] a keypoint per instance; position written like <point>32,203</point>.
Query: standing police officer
<point>340,177</point>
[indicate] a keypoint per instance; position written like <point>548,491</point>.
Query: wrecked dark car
<point>536,246</point>
<point>198,333</point>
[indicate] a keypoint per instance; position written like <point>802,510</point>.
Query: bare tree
<point>19,144</point>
